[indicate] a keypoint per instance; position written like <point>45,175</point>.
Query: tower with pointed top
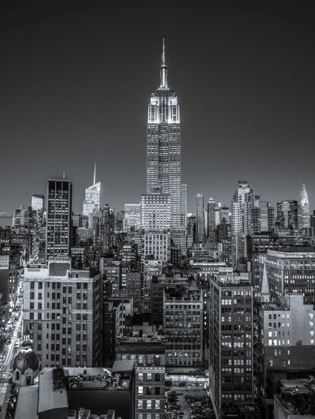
<point>304,218</point>
<point>92,196</point>
<point>164,151</point>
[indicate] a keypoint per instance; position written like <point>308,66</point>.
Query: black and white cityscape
<point>157,213</point>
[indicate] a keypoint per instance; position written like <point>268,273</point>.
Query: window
<point>157,404</point>
<point>140,404</point>
<point>149,404</point>
<point>140,389</point>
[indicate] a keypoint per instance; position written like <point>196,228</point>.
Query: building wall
<point>62,315</point>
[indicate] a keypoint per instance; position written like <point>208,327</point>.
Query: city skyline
<point>251,129</point>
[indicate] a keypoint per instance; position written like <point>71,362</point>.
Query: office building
<point>58,219</point>
<point>132,217</point>
<point>183,326</point>
<point>287,215</point>
<point>225,213</point>
<point>62,312</point>
<point>231,342</point>
<point>262,216</point>
<point>112,271</point>
<point>155,245</point>
<point>291,270</point>
<point>151,268</point>
<point>285,335</point>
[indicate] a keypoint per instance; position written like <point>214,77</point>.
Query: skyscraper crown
<point>304,196</point>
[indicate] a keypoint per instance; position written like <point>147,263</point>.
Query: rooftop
<point>50,397</point>
<point>117,378</point>
<point>298,396</point>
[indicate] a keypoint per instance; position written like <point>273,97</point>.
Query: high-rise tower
<point>242,204</point>
<point>200,224</point>
<point>92,196</point>
<point>164,150</point>
<point>304,209</point>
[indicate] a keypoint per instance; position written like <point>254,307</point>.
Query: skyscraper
<point>92,196</point>
<point>304,209</point>
<point>231,342</point>
<point>200,225</point>
<point>287,214</point>
<point>211,218</point>
<point>242,204</point>
<point>58,231</point>
<point>164,150</point>
<point>37,202</point>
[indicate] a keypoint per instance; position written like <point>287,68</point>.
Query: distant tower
<point>37,202</point>
<point>92,196</point>
<point>211,218</point>
<point>304,209</point>
<point>59,206</point>
<point>164,151</point>
<point>200,225</point>
<point>242,204</point>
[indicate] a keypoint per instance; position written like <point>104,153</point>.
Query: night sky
<point>76,79</point>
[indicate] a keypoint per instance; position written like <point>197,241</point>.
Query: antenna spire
<point>64,174</point>
<point>163,71</point>
<point>163,50</point>
<point>94,174</point>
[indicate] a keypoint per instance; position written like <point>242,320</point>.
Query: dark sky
<point>76,79</point>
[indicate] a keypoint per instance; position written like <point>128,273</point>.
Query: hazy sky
<point>76,79</point>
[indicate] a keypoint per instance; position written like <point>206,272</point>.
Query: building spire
<point>304,195</point>
<point>163,70</point>
<point>265,291</point>
<point>94,174</point>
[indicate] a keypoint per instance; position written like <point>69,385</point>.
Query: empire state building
<point>164,151</point>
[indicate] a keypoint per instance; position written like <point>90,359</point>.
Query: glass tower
<point>164,150</point>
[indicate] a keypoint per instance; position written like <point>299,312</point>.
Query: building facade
<point>231,342</point>
<point>164,150</point>
<point>62,312</point>
<point>58,228</point>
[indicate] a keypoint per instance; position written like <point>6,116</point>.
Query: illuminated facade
<point>164,151</point>
<point>92,197</point>
<point>304,209</point>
